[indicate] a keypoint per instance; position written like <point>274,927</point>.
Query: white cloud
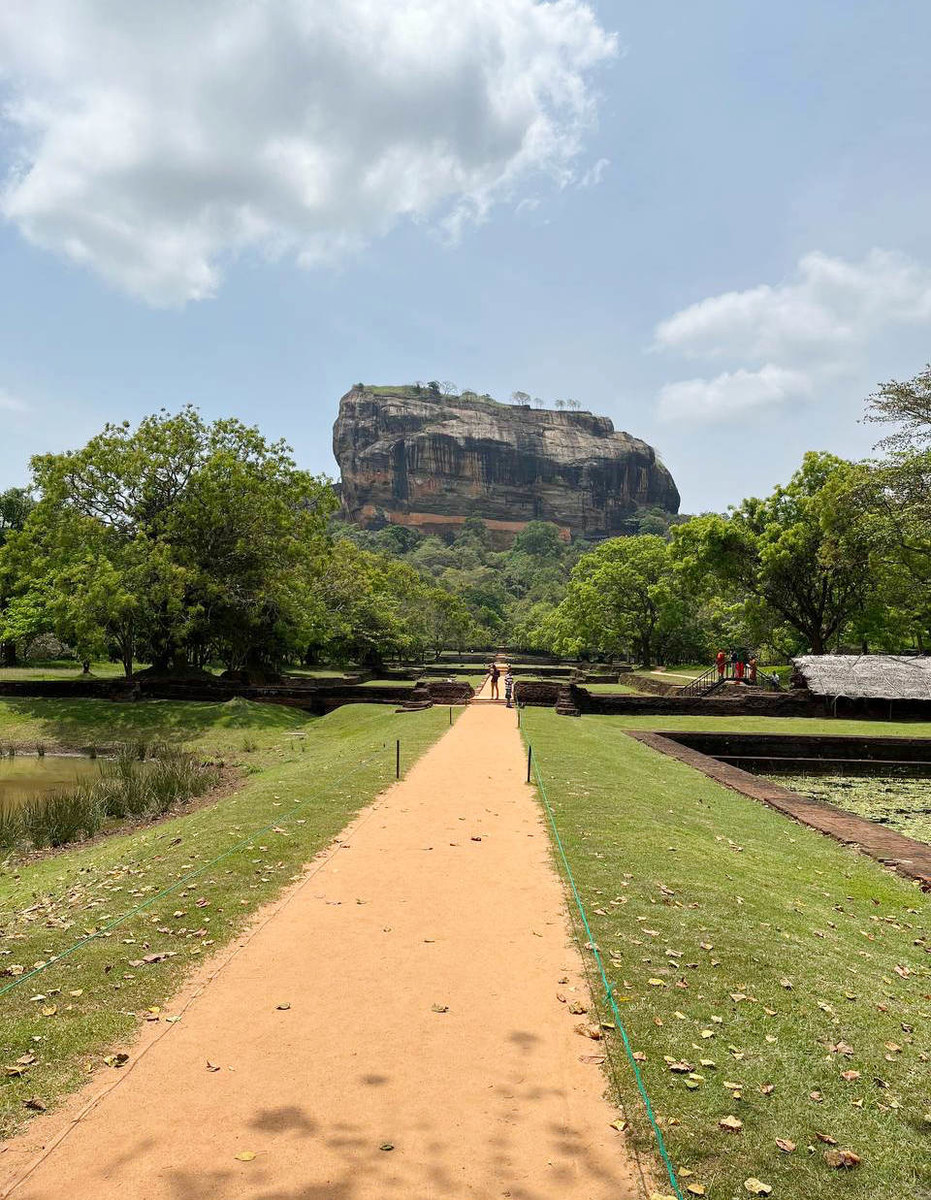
<point>731,393</point>
<point>595,173</point>
<point>786,341</point>
<point>156,140</point>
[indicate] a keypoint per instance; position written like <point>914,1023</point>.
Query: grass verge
<point>763,971</point>
<point>611,727</point>
<point>90,1000</point>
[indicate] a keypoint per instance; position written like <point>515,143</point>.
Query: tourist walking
<point>495,676</point>
<point>721,661</point>
<point>508,687</point>
<point>751,669</point>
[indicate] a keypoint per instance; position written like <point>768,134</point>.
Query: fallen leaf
<point>49,1010</point>
<point>826,1138</point>
<point>283,1007</point>
<point>785,1145</point>
<point>244,1156</point>
<point>756,1187</point>
<point>212,1066</point>
<point>767,1088</point>
<point>597,1059</point>
<point>444,1008</point>
<point>578,1007</point>
<point>841,1159</point>
<point>695,1189</point>
<point>731,1124</point>
<point>850,1076</point>
<point>35,1104</point>
<point>116,1060</point>
<point>589,1031</point>
<point>620,1124</point>
<point>390,1145</point>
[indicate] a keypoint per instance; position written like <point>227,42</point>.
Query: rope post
<point>529,761</point>
<point>397,759</point>
<point>450,714</point>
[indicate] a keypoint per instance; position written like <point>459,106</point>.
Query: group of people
<point>494,673</point>
<point>744,665</point>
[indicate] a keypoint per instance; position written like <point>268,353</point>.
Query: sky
<point>707,222</point>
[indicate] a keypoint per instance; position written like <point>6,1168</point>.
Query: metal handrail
<point>708,681</point>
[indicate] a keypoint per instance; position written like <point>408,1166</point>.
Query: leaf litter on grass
<point>48,905</point>
<point>785,953</point>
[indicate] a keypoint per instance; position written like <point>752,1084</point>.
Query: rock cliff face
<point>408,457</point>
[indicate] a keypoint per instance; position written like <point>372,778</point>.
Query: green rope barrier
<point>55,959</point>
<point>641,1087</point>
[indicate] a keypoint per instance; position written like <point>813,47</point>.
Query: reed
<point>129,785</point>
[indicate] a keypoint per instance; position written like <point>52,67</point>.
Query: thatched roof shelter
<point>866,676</point>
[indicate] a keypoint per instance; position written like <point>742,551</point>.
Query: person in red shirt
<point>739,668</point>
<point>721,659</point>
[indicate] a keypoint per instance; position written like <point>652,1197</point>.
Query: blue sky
<point>719,239</point>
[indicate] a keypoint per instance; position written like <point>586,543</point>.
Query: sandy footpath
<point>424,1053</point>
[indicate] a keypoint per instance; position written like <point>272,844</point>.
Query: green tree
<point>15,506</point>
<point>620,599</point>
<point>209,537</point>
<point>797,557</point>
<point>896,489</point>
<point>540,539</point>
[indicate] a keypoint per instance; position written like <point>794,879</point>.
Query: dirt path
<point>424,1053</point>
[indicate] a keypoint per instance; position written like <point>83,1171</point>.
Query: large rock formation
<point>411,457</point>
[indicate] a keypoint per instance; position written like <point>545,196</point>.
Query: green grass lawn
<point>63,669</point>
<point>814,726</point>
<point>308,777</point>
<point>763,958</point>
<point>603,689</point>
<point>213,729</point>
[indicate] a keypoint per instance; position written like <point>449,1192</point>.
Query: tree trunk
<point>817,642</point>
<point>8,656</point>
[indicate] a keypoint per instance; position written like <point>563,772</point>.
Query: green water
<point>900,801</point>
<point>25,777</point>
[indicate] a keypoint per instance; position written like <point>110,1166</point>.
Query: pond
<point>903,802</point>
<point>25,777</point>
